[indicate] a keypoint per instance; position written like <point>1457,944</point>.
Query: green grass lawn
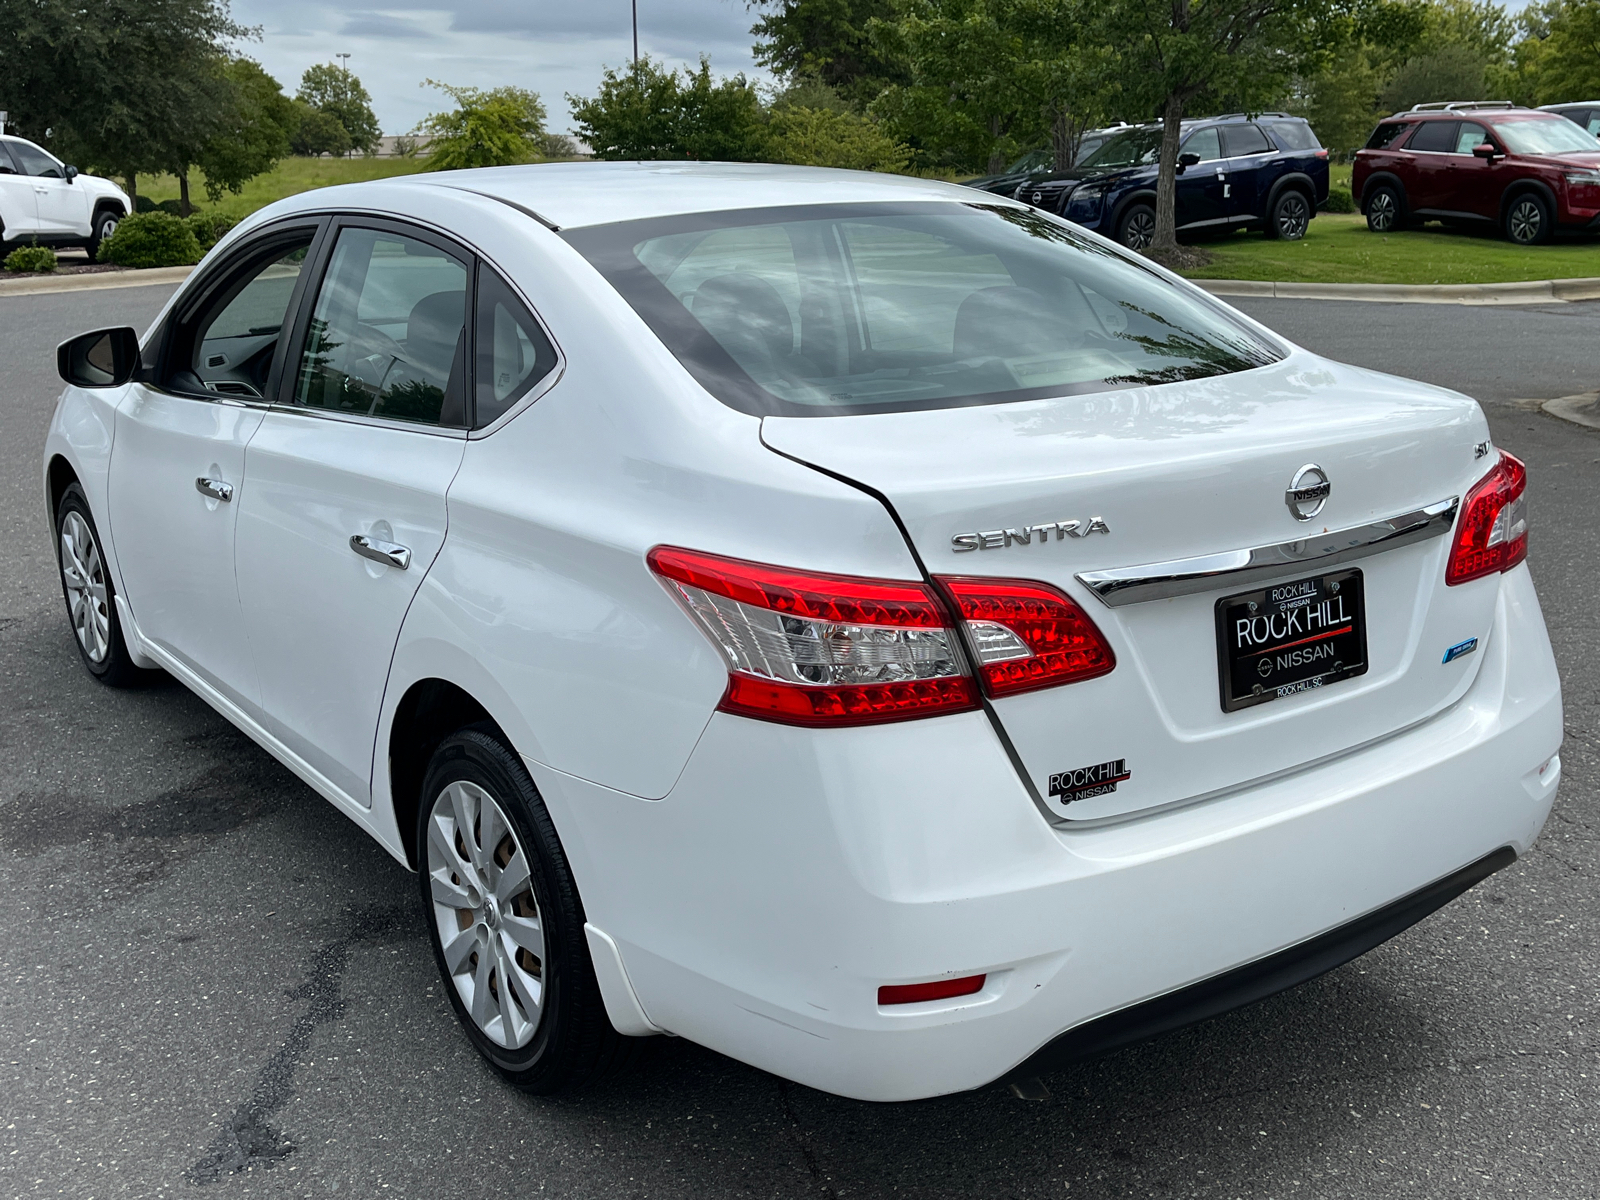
<point>1340,249</point>
<point>288,178</point>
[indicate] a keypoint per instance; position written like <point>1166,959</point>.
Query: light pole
<point>346,63</point>
<point>635,36</point>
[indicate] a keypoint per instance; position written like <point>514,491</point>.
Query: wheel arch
<point>1521,187</point>
<point>1141,196</point>
<point>1298,180</point>
<point>59,476</point>
<point>1376,180</point>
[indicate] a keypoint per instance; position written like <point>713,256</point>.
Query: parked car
<point>894,641</point>
<point>1265,172</point>
<point>1480,163</point>
<point>44,200</point>
<point>1587,114</point>
<point>1040,164</point>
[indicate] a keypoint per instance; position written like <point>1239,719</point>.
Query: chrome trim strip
<point>1239,568</point>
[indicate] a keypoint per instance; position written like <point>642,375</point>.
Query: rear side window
<point>1386,134</point>
<point>1245,139</point>
<point>7,167</point>
<point>1437,136</point>
<point>1295,135</point>
<point>513,352</point>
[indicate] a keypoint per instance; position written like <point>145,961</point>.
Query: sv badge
<point>999,539</point>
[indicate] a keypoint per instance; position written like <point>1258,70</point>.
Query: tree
<point>317,132</point>
<point>647,113</point>
<point>830,137</point>
<point>486,129</point>
<point>1453,72</point>
<point>333,90</point>
<point>254,131</point>
<point>1559,56</point>
<point>830,41</point>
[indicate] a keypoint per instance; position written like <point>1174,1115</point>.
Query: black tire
<point>104,225</point>
<point>1136,228</point>
<point>573,1042</point>
<point>1386,209</point>
<point>105,655</point>
<point>1290,216</point>
<point>1528,220</point>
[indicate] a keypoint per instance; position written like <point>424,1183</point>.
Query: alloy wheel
<point>488,920</point>
<point>1140,230</point>
<point>1381,212</point>
<point>108,226</point>
<point>1292,217</point>
<point>1526,221</point>
<point>88,599</point>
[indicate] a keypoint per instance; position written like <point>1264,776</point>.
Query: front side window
<point>387,335</point>
<point>1206,144</point>
<point>1471,134</point>
<point>1545,135</point>
<point>878,308</point>
<point>235,339</point>
<point>34,161</point>
<point>1243,140</point>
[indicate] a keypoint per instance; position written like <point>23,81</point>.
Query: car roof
<point>575,194</point>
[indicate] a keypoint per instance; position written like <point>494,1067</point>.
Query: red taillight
<point>1027,635</point>
<point>805,648</point>
<point>942,989</point>
<point>1322,154</point>
<point>1492,532</point>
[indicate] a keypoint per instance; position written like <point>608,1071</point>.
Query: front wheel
<point>1385,210</point>
<point>1528,221</point>
<point>91,597</point>
<point>506,922</point>
<point>105,224</point>
<point>1137,229</point>
<point>1291,215</point>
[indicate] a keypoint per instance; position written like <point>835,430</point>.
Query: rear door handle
<point>214,488</point>
<point>391,554</point>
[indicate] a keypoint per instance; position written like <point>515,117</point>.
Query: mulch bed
<point>1180,258</point>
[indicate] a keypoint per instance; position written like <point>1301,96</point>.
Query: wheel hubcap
<point>1525,221</point>
<point>483,906</point>
<point>85,578</point>
<point>1292,219</point>
<point>1382,211</point>
<point>1141,231</point>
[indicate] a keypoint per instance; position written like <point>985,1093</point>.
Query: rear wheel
<point>1385,210</point>
<point>1137,229</point>
<point>90,595</point>
<point>1528,221</point>
<point>104,225</point>
<point>1291,216</point>
<point>506,922</point>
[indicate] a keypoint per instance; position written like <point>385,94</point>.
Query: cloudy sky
<point>548,46</point>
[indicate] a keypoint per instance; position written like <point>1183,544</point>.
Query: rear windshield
<point>824,310</point>
<point>1295,135</point>
<point>1545,135</point>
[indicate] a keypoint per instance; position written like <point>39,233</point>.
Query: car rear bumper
<point>791,873</point>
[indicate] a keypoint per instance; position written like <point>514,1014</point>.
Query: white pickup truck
<point>43,200</point>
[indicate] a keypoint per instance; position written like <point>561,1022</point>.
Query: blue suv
<point>1266,171</point>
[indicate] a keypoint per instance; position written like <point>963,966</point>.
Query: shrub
<point>143,204</point>
<point>820,137</point>
<point>209,228</point>
<point>34,258</point>
<point>156,239</point>
<point>1339,200</point>
<point>170,206</point>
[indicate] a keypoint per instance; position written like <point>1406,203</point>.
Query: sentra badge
<point>999,539</point>
<point>1087,782</point>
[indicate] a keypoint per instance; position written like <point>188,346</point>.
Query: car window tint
<point>1386,135</point>
<point>7,167</point>
<point>35,161</point>
<point>513,352</point>
<point>1206,144</point>
<point>387,333</point>
<point>1245,139</point>
<point>1471,134</point>
<point>1295,135</point>
<point>1437,136</point>
<point>234,342</point>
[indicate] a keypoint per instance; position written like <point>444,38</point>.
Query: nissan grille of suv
<point>1235,172</point>
<point>1529,172</point>
<point>893,638</point>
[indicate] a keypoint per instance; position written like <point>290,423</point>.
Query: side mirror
<point>72,172</point>
<point>102,359</point>
<point>1187,160</point>
<point>1487,151</point>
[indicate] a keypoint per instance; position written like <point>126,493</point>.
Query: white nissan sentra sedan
<point>882,633</point>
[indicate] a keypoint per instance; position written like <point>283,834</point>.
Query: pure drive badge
<point>1086,782</point>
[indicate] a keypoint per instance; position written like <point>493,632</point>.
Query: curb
<point>1582,409</point>
<point>1542,291</point>
<point>34,285</point>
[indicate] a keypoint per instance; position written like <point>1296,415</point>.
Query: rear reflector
<point>942,989</point>
<point>805,648</point>
<point>1027,635</point>
<point>1492,534</point>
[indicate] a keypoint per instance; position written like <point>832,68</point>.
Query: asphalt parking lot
<point>215,985</point>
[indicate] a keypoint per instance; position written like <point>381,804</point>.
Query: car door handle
<point>391,554</point>
<point>214,488</point>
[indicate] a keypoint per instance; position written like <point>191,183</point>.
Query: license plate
<point>1291,637</point>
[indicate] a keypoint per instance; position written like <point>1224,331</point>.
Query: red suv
<point>1530,172</point>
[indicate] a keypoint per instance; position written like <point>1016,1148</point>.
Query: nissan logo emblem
<point>1308,492</point>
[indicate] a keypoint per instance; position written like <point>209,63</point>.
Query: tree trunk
<point>1066,135</point>
<point>997,161</point>
<point>131,185</point>
<point>1166,237</point>
<point>183,193</point>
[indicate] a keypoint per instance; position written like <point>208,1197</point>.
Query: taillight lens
<point>1492,534</point>
<point>811,649</point>
<point>1027,635</point>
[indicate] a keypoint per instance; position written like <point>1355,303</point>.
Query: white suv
<point>43,200</point>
